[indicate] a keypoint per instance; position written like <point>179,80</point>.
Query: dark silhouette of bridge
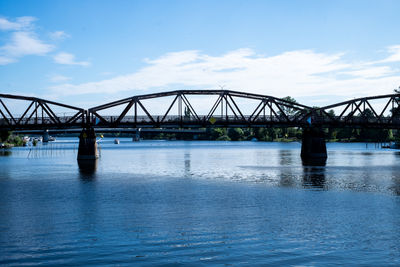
<point>225,111</point>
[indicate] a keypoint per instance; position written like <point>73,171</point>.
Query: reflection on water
<point>187,164</point>
<point>5,152</point>
<point>286,175</point>
<point>87,169</point>
<point>395,188</point>
<point>286,157</point>
<point>313,177</point>
<point>199,203</point>
<point>314,162</point>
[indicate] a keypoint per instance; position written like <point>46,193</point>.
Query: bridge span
<point>225,109</point>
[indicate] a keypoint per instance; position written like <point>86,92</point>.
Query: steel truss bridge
<point>227,110</point>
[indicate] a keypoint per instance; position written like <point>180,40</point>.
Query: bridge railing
<point>247,119</point>
<point>342,121</point>
<point>200,120</point>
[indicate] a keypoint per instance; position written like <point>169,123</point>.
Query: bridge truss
<point>368,112</point>
<point>38,113</point>
<point>225,112</point>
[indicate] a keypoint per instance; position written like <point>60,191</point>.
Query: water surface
<point>196,203</point>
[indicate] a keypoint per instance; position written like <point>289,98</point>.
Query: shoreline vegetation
<point>10,140</point>
<point>274,135</point>
<point>236,134</point>
<point>292,134</point>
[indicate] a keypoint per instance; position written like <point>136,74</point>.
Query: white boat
<point>116,141</point>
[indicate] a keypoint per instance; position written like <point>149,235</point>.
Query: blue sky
<point>86,53</point>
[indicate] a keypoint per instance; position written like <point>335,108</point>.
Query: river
<point>157,203</point>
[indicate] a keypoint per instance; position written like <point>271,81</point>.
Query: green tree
<point>289,110</point>
<point>215,133</point>
<point>344,133</point>
<point>261,134</point>
<point>236,134</point>
<point>4,134</point>
<point>223,138</point>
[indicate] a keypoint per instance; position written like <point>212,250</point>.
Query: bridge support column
<point>46,136</point>
<point>313,147</point>
<point>87,145</point>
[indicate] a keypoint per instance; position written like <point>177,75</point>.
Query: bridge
<point>217,108</point>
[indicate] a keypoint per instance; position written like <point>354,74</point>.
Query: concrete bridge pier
<point>313,147</point>
<point>87,145</point>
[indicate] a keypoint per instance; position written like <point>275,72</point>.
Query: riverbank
<point>6,145</point>
<point>13,141</point>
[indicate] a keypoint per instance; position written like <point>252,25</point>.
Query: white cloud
<point>59,35</point>
<point>59,78</point>
<point>106,73</point>
<point>394,52</point>
<point>4,60</point>
<point>372,72</point>
<point>68,59</point>
<point>21,44</point>
<point>23,40</point>
<point>297,73</point>
<point>21,23</point>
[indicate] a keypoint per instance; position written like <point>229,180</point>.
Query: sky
<point>86,53</point>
